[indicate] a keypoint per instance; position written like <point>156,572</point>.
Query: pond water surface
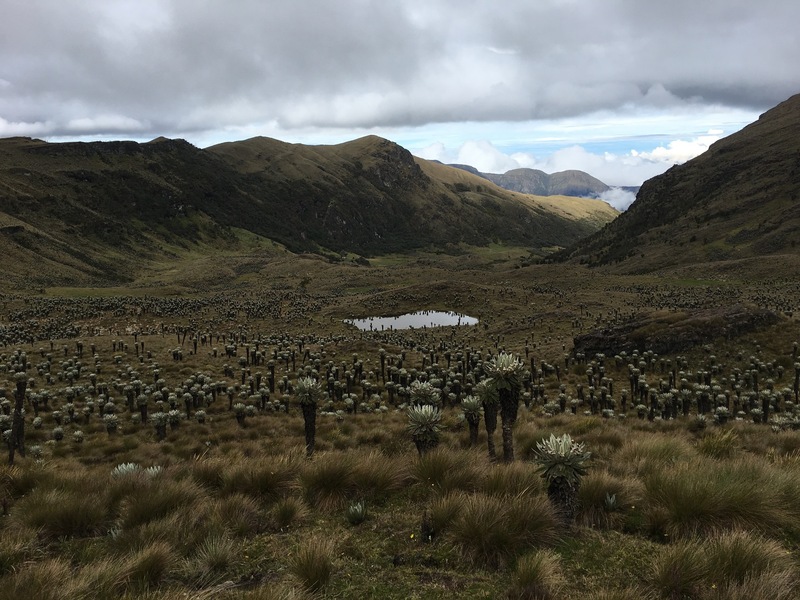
<point>416,320</point>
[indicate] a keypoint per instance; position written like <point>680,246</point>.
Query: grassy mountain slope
<point>103,211</point>
<point>372,196</point>
<point>737,201</point>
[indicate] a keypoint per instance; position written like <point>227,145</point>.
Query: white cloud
<point>614,169</point>
<point>679,151</point>
<point>485,157</point>
<point>13,129</point>
<point>104,123</point>
<point>436,151</point>
<point>618,198</point>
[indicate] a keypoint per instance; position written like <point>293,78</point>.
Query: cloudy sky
<point>622,89</point>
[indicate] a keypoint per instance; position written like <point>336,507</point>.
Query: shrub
<point>424,425</point>
<point>562,462</point>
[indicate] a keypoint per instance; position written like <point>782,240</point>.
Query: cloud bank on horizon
<point>621,89</point>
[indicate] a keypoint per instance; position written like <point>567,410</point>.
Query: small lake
<point>416,320</point>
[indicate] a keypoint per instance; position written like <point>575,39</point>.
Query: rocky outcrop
<point>669,332</point>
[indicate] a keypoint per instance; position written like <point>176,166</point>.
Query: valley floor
<point>166,450</point>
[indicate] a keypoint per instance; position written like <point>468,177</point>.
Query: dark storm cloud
<point>76,67</point>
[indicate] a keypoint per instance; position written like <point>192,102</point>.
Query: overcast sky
<point>620,88</point>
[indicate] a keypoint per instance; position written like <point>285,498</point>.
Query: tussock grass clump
<point>183,529</point>
<point>725,566</point>
<point>719,443</point>
<point>511,479</point>
<point>16,482</point>
<point>62,512</point>
<point>44,580</point>
<point>208,472</point>
<point>493,531</point>
<point>738,555</point>
<point>528,435</point>
<point>643,454</point>
<point>239,514</point>
<point>604,441</point>
<point>312,563</point>
<point>211,560</point>
<point>537,576</point>
<point>680,571</point>
<point>376,476</point>
<point>444,510</point>
<point>583,425</point>
<point>264,592</point>
<point>157,500</point>
<point>327,481</point>
<point>18,545</point>
<point>265,480</point>
<point>287,513</point>
<point>445,471</point>
<point>150,565</point>
<point>704,496</point>
<point>631,593</point>
<point>104,579</point>
<point>605,499</point>
<point>766,586</point>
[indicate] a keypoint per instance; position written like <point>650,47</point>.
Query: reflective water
<point>416,320</point>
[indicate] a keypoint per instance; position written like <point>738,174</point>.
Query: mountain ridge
<point>738,200</point>
<point>101,210</point>
<point>571,182</point>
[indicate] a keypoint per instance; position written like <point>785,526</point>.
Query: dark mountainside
<point>100,211</point>
<point>539,183</point>
<point>737,201</point>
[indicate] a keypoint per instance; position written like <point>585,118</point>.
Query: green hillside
<point>103,211</point>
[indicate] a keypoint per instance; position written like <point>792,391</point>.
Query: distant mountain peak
<point>533,181</point>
